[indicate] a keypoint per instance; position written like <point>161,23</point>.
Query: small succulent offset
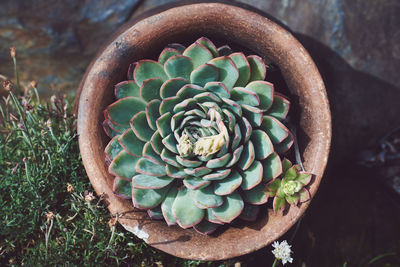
<point>290,188</point>
<point>196,136</point>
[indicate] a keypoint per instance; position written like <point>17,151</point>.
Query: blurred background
<point>355,217</point>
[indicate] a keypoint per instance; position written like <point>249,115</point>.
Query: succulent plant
<point>289,187</point>
<point>196,136</point>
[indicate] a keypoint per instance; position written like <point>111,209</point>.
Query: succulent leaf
<point>152,113</point>
<point>113,148</point>
<point>122,188</point>
<point>209,45</point>
<point>243,66</point>
<point>146,166</point>
<point>228,185</point>
<point>198,53</point>
<point>249,212</point>
<point>203,74</point>
<point>172,86</point>
<point>272,167</point>
<point>205,227</point>
<point>265,92</point>
<point>252,176</point>
<point>178,67</point>
<point>279,108</point>
<point>166,206</point>
<point>256,195</point>
<point>122,111</point>
<point>125,89</point>
<point>230,209</point>
<point>167,53</point>
<point>195,183</point>
<point>131,144</point>
<point>140,126</point>
<point>205,198</point>
<point>186,213</point>
<point>147,69</point>
<point>155,213</point>
<point>150,89</point>
<point>258,70</point>
<point>144,181</point>
<point>227,70</point>
<point>122,166</point>
<point>274,128</point>
<point>148,198</point>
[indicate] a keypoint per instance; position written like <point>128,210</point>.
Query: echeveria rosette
<point>196,135</point>
<point>290,187</point>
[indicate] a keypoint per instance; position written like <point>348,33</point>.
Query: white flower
<point>282,251</point>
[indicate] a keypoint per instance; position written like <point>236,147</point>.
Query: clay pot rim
<point>315,154</point>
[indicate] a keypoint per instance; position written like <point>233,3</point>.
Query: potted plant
<point>146,39</point>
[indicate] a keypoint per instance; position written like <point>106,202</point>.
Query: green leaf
<point>293,199</point>
<point>246,129</point>
<point>232,106</point>
<point>262,144</point>
<point>123,166</point>
<point>228,72</point>
<point>187,162</point>
<point>131,143</point>
<point>209,45</point>
<point>148,167</point>
<point>122,188</point>
<point>195,183</point>
<point>107,129</point>
<point>252,176</point>
<point>176,46</point>
<point>122,111</point>
<point>146,69</point>
<point>150,89</point>
<point>218,88</point>
<point>256,195</point>
<point>249,212</point>
<point>265,92</point>
<point>198,172</point>
<point>187,214</point>
<point>228,185</point>
<point>253,115</point>
<point>169,158</point>
<point>186,104</point>
<point>272,187</point>
<point>243,67</point>
<point>166,54</point>
<point>231,209</point>
<point>276,131</point>
<point>178,67</point>
<point>172,86</point>
<point>247,157</point>
<point>304,195</point>
<point>168,104</point>
<point>235,156</point>
<point>280,107</point>
<point>285,145</point>
<point>155,213</point>
<point>148,198</point>
<point>149,153</point>
<point>204,74</point>
<point>217,175</point>
<point>272,167</point>
<point>150,182</point>
<point>258,70</point>
<point>164,124</point>
<point>170,143</point>
<point>156,142</point>
<point>211,218</point>
<point>279,204</point>
<point>304,177</point>
<point>205,227</point>
<point>189,91</point>
<point>113,148</point>
<point>286,164</point>
<point>175,172</point>
<point>242,95</point>
<point>219,162</point>
<point>198,53</point>
<point>152,113</point>
<point>125,89</point>
<point>140,127</point>
<point>166,206</point>
<point>224,50</point>
<point>205,198</point>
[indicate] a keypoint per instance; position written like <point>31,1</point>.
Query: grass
<point>48,213</point>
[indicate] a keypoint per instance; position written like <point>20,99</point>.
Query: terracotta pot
<point>231,25</point>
